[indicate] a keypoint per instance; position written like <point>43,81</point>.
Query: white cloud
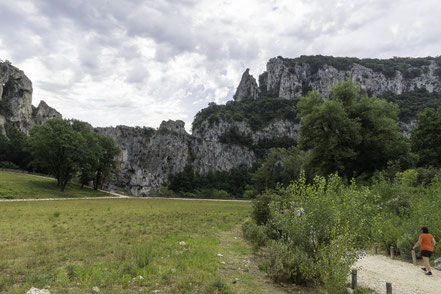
<point>138,63</point>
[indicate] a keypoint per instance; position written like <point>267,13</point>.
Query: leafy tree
<point>233,183</point>
<point>413,102</point>
<point>105,160</point>
<point>13,148</point>
<point>88,160</point>
<point>426,138</point>
<point>350,133</point>
<point>99,155</point>
<point>57,147</point>
<point>280,168</point>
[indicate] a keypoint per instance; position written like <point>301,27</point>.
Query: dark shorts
<point>426,253</point>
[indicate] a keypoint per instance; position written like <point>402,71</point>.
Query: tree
<point>13,147</point>
<point>57,147</point>
<point>99,156</point>
<point>87,162</point>
<point>426,138</point>
<point>350,133</point>
<point>280,167</point>
<point>105,160</point>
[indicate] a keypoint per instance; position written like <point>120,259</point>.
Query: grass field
<point>19,186</point>
<point>72,246</point>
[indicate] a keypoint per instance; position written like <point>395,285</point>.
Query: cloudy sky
<point>133,62</point>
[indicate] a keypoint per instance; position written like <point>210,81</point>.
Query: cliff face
<point>149,155</point>
<point>288,78</point>
<point>16,101</point>
<point>275,129</point>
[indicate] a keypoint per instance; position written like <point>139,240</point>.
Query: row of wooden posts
<point>388,285</point>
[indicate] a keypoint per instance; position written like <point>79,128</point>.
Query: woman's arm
<point>433,241</point>
<point>418,243</point>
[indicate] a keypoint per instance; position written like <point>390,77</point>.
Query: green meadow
<point>118,245</point>
<point>19,186</point>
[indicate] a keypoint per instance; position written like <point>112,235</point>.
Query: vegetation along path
<point>375,270</point>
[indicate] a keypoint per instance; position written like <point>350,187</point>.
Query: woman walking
<point>426,243</point>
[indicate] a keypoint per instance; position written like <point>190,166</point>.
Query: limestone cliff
<point>16,101</point>
<point>275,129</point>
<point>149,155</point>
<point>293,78</point>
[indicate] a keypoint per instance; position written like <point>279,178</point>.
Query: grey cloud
<point>137,75</point>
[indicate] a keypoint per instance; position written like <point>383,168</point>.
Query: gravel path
<point>375,270</point>
<point>119,196</point>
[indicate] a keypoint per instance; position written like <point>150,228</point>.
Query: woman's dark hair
<point>425,230</point>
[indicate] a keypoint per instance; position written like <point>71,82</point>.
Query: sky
<point>137,63</point>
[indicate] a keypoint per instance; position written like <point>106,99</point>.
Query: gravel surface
<point>375,270</point>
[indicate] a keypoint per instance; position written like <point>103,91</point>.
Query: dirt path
<point>118,196</point>
<point>375,270</point>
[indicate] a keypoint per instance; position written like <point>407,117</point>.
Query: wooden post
<point>413,257</point>
<point>376,248</point>
<point>354,279</point>
<point>388,288</point>
<point>392,252</point>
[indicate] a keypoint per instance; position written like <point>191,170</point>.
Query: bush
<point>315,230</point>
<point>9,165</point>
<point>289,264</point>
<point>261,210</point>
<point>219,184</point>
<point>428,174</point>
<point>405,244</point>
<point>254,233</point>
<point>334,263</point>
<point>219,287</point>
<point>248,194</point>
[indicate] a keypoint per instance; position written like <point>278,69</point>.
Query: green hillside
<point>23,186</point>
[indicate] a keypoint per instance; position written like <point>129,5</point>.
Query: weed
<point>219,287</point>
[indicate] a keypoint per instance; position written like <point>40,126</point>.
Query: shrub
<point>261,210</point>
<point>408,177</point>
<point>315,230</point>
<point>9,165</point>
<point>289,264</point>
<point>254,233</point>
<point>405,244</point>
<point>219,287</point>
<point>334,263</point>
<point>219,194</point>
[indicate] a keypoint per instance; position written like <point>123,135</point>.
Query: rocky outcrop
<point>149,156</point>
<point>276,129</point>
<point>289,79</point>
<point>16,101</point>
<point>42,113</point>
<point>247,88</point>
<point>15,97</point>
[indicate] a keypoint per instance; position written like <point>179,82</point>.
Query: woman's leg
<point>427,264</point>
